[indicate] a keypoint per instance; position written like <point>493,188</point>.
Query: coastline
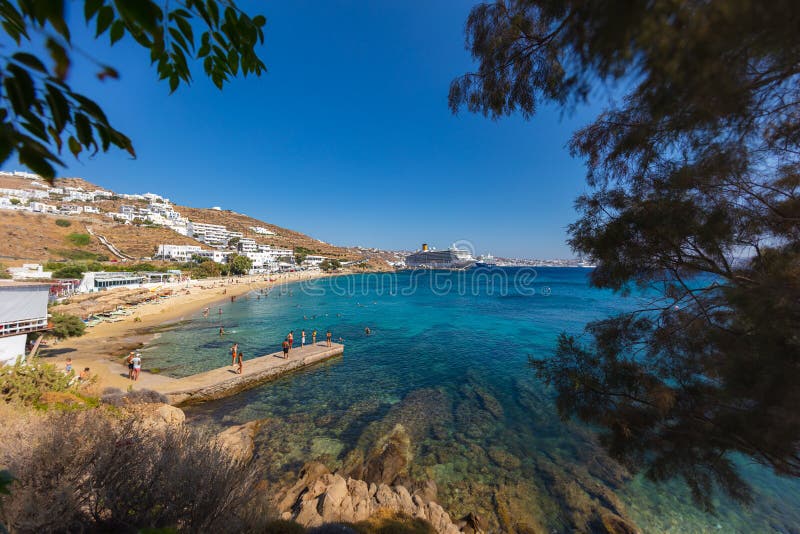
<point>103,347</point>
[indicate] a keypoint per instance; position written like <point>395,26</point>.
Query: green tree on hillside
<point>40,114</point>
<point>240,264</point>
<point>695,194</point>
<point>330,264</point>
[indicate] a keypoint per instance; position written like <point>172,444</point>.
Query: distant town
<point>219,243</point>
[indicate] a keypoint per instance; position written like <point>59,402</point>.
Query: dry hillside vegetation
<point>36,237</point>
<point>139,241</point>
<point>284,238</point>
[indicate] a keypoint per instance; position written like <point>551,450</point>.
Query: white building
<point>211,234</point>
<point>29,271</point>
<point>219,256</point>
<point>41,207</point>
<point>23,309</point>
<point>268,259</point>
<point>91,209</point>
<point>246,245</point>
<point>261,230</point>
<point>313,261</point>
<point>70,209</point>
<point>101,281</point>
<point>177,252</point>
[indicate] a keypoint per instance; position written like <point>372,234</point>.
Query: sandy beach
<point>103,347</point>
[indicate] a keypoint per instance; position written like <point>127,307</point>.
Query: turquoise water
<point>447,359</point>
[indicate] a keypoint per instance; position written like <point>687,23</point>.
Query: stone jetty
<point>224,382</point>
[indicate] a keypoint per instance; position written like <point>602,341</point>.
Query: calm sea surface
<point>447,359</point>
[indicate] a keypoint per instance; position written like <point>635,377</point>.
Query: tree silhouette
<point>694,198</point>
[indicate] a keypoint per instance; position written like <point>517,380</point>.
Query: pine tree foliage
<point>694,172</point>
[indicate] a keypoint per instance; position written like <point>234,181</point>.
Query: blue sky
<point>348,137</point>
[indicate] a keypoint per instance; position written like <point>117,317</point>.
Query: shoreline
<point>103,347</point>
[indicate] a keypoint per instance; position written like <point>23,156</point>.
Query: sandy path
<point>103,348</point>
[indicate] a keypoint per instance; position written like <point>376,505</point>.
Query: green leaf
<point>213,11</point>
<point>117,31</point>
<point>74,146</point>
<point>90,8</point>
<point>36,162</point>
<point>104,19</point>
<point>55,136</point>
<point>19,89</point>
<point>59,107</point>
<point>60,57</point>
<point>259,20</point>
<point>186,29</point>
<point>84,129</point>
<point>30,60</point>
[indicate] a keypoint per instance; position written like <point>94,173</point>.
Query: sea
<point>447,356</point>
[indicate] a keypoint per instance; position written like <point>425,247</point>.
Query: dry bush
<point>88,472</point>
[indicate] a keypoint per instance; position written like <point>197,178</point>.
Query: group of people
<point>288,342</point>
<point>134,361</point>
<point>82,376</point>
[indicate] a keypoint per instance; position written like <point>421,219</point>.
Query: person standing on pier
<point>302,339</point>
<point>291,339</point>
<point>328,337</point>
<point>285,348</point>
<point>241,363</point>
<point>314,337</point>
<point>234,351</point>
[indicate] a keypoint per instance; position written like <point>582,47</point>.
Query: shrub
<point>101,257</point>
<point>69,270</point>
<point>329,265</point>
<point>15,201</point>
<point>76,254</point>
<point>79,240</point>
<point>65,325</point>
<point>24,382</point>
<point>240,264</point>
<point>63,223</point>
<point>207,269</point>
<point>94,266</point>
<point>4,271</point>
<point>89,472</point>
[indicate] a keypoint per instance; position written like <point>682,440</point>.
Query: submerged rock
<point>390,458</point>
<point>239,440</point>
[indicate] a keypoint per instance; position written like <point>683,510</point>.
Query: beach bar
<point>224,382</point>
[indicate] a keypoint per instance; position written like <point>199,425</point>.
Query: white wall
<point>11,347</point>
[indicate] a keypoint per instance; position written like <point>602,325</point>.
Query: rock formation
<point>320,496</point>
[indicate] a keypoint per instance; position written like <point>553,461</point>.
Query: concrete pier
<point>224,382</point>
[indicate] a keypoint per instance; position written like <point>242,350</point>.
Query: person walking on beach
<point>285,348</point>
<point>234,351</point>
<point>328,337</point>
<point>290,337</point>
<point>314,337</point>
<point>129,361</point>
<point>302,339</point>
<point>241,362</point>
<point>137,366</point>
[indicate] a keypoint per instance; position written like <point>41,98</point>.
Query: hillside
<point>37,237</point>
